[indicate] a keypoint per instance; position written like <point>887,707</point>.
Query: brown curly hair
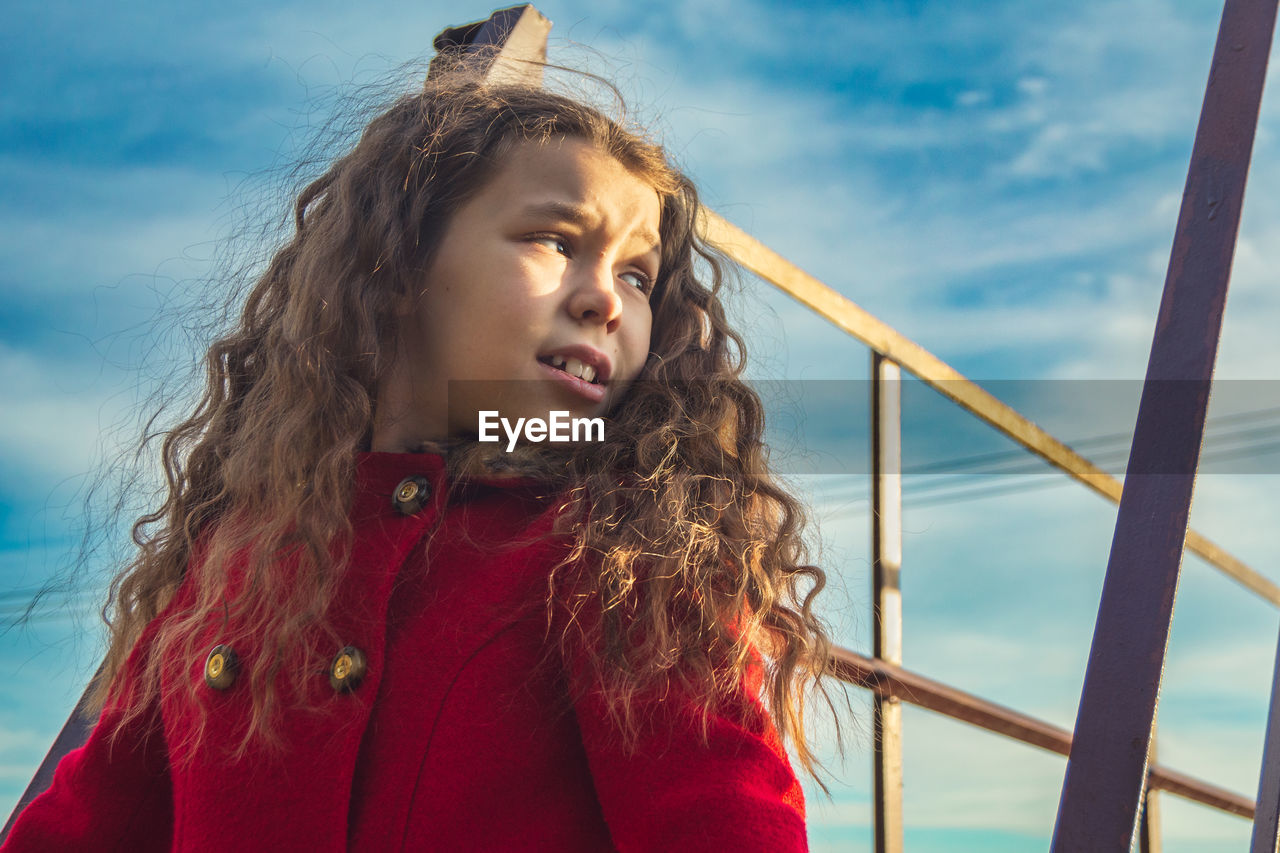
<point>682,541</point>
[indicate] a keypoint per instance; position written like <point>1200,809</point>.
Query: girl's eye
<point>553,242</point>
<point>641,281</point>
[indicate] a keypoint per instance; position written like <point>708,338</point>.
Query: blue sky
<point>998,183</point>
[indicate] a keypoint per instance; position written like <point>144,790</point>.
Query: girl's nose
<point>594,297</point>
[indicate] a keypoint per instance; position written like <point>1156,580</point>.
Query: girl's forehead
<point>570,159</point>
<point>561,174</point>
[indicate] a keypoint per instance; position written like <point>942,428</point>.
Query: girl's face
<point>543,274</point>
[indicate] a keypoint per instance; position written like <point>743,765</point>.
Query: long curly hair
<point>682,542</point>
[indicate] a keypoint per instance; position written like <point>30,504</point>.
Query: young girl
<point>353,624</point>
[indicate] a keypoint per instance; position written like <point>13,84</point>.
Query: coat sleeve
<point>676,792</point>
<point>111,794</point>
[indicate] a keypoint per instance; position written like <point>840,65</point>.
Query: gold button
<point>220,667</point>
<point>348,669</point>
<point>411,495</point>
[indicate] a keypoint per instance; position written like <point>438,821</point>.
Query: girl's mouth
<point>578,382</point>
<point>571,366</point>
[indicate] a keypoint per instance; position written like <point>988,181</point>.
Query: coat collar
<point>459,462</point>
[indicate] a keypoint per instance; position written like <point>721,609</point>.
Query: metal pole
<point>886,563</point>
<point>1149,839</point>
<point>1106,770</point>
<point>1266,818</point>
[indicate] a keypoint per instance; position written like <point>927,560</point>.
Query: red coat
<point>452,740</point>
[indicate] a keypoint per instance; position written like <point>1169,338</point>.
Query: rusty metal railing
<point>858,323</point>
<point>890,683</point>
<point>1107,796</point>
<point>893,681</point>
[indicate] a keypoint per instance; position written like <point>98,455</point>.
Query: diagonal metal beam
<point>1107,768</point>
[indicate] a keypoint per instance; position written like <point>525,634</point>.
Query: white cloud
<point>59,428</point>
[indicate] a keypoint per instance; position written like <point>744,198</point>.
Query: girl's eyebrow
<point>577,215</point>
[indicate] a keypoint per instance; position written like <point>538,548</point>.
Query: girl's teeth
<point>573,367</point>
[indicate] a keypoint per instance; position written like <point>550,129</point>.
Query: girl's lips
<point>581,387</point>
